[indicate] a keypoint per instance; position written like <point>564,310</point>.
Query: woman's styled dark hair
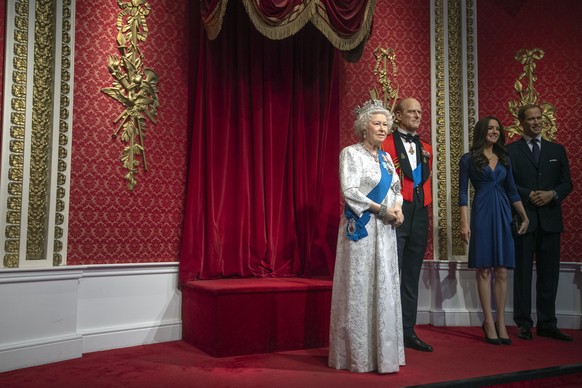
<point>479,140</point>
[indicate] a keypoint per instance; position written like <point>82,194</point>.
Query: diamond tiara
<point>370,106</point>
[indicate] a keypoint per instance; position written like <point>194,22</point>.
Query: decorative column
<point>36,131</point>
<point>454,107</point>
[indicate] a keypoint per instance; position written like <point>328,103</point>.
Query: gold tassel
<point>294,22</point>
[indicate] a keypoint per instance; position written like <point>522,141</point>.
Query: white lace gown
<point>366,317</point>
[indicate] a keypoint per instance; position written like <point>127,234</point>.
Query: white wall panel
<point>55,314</point>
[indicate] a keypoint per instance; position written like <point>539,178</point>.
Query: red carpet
<point>460,353</point>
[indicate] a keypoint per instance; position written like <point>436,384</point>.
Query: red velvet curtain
<point>345,23</point>
<point>263,191</point>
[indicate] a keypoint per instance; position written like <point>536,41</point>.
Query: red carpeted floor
<point>460,353</point>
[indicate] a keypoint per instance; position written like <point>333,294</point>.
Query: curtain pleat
<point>346,24</point>
<point>212,13</point>
<point>263,191</point>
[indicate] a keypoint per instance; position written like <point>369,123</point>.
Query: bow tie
<point>409,138</point>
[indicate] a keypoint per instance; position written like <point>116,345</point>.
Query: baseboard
<point>460,317</point>
<point>123,337</point>
<point>24,355</point>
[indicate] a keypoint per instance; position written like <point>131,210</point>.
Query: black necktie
<point>535,150</point>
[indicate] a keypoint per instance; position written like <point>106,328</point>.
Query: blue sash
<point>417,175</point>
<point>356,228</point>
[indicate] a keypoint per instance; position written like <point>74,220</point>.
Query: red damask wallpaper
<point>108,223</point>
<point>403,25</point>
<point>554,26</point>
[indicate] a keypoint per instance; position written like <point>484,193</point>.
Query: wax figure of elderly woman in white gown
<point>366,317</point>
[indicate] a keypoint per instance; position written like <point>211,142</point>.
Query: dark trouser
<point>546,247</point>
<point>411,239</point>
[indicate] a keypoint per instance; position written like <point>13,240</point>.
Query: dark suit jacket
<point>552,173</point>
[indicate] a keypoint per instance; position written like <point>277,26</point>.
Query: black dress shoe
<point>525,333</point>
<point>554,333</point>
<point>416,343</point>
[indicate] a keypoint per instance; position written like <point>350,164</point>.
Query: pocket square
<point>553,160</point>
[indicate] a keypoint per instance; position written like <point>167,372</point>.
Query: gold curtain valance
<point>345,24</point>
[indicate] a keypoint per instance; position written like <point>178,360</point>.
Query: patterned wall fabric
<point>108,223</point>
<point>552,26</point>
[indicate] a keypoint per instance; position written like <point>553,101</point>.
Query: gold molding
<point>37,132</point>
<point>441,132</point>
<point>16,143</point>
<point>454,105</point>
<point>134,87</point>
<point>456,119</point>
<point>459,247</point>
<point>42,98</point>
<point>64,131</point>
<point>471,75</point>
<point>528,95</point>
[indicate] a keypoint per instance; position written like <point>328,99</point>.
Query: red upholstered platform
<point>229,317</point>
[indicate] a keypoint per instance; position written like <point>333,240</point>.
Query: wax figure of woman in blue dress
<point>489,231</point>
<point>366,318</point>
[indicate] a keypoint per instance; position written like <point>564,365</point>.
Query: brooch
<point>384,163</point>
<point>351,226</point>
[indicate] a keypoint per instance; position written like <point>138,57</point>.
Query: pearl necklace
<point>375,157</point>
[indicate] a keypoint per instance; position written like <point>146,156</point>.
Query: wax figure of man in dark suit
<point>413,161</point>
<point>542,184</point>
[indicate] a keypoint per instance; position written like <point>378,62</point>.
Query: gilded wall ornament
<point>528,95</point>
<point>134,86</point>
<point>385,70</point>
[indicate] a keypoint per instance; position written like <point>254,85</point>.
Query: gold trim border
<point>460,248</point>
<point>41,129</point>
<point>456,127</point>
<point>471,70</point>
<point>440,115</point>
<point>17,130</point>
<point>64,131</point>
